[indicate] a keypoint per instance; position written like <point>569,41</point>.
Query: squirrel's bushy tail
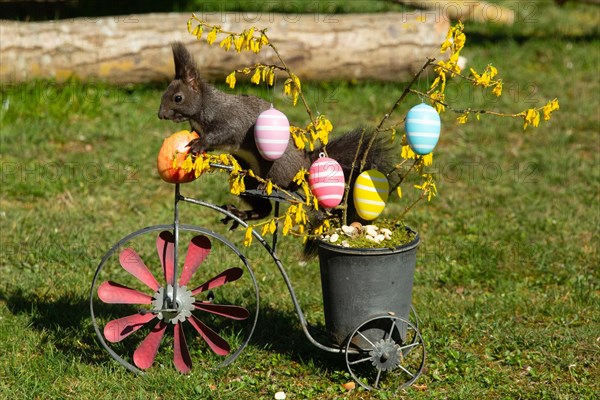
<point>344,148</point>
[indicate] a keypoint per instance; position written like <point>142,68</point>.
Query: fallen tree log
<point>135,48</point>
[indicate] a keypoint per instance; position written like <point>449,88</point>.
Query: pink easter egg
<point>326,180</point>
<point>272,134</point>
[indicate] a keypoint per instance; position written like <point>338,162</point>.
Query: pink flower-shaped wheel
<point>169,305</point>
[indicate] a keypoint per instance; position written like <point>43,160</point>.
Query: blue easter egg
<point>422,128</point>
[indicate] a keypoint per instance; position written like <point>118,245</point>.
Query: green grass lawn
<point>507,284</point>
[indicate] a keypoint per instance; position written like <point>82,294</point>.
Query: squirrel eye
<point>178,98</point>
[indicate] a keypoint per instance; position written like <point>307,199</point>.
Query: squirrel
<point>226,122</point>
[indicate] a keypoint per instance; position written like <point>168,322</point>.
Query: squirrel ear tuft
<point>185,66</point>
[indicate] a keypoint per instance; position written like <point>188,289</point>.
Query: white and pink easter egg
<point>326,181</point>
<point>272,134</point>
<point>422,128</point>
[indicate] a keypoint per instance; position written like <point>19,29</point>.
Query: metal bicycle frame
<point>344,348</point>
<point>271,249</point>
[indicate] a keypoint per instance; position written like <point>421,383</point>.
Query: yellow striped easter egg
<point>370,194</point>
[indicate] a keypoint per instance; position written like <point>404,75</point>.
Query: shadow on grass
<point>281,332</point>
<point>65,321</point>
<point>66,324</point>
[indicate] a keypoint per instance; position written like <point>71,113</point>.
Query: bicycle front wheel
<point>138,305</point>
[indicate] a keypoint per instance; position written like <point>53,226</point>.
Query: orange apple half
<point>175,146</point>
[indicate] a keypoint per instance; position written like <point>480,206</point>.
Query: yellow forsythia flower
<point>237,185</point>
<point>236,166</point>
<point>265,230</point>
<point>300,176</point>
<point>272,226</point>
<point>491,71</point>
<point>292,87</point>
<point>315,203</point>
<point>483,80</point>
<point>287,87</point>
<point>256,76</point>
<point>230,80</point>
<point>301,217</point>
<point>463,118</point>
<point>307,192</point>
<point>271,76</point>
<point>298,136</point>
<point>436,81</point>
<point>497,90</point>
<point>432,192</point>
<point>549,108</point>
<point>212,36</point>
<point>255,45</point>
<point>263,73</point>
<point>187,165</point>
<point>224,159</point>
<point>198,32</point>
<point>238,42</point>
<point>407,152</point>
<point>448,66</point>
<point>318,231</point>
<point>532,117</point>
<point>248,237</point>
<point>459,41</point>
<point>438,99</point>
<point>248,35</point>
<point>269,188</point>
<point>455,39</point>
<point>428,159</point>
<point>319,131</point>
<point>454,67</point>
<point>486,79</point>
<point>399,191</point>
<point>287,224</point>
<point>226,43</point>
<point>428,187</point>
<point>324,127</point>
<point>199,166</point>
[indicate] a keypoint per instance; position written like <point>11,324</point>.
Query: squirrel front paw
<point>197,146</point>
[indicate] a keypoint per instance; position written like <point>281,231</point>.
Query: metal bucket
<point>362,283</point>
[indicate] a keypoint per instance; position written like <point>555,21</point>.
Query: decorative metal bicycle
<point>216,296</point>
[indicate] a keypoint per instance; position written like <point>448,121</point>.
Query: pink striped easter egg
<point>272,134</point>
<point>326,180</point>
